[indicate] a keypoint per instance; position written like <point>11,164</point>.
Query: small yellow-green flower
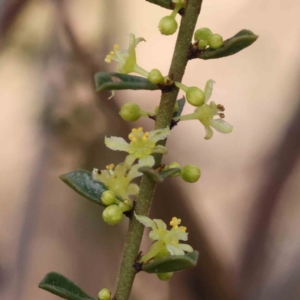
<point>166,242</point>
<point>127,58</point>
<point>142,145</point>
<point>206,113</point>
<point>117,179</point>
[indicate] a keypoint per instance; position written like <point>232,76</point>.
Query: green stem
<point>147,187</point>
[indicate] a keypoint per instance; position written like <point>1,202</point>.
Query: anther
<point>220,107</point>
<point>222,116</point>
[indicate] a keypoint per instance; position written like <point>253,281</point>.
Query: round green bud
<point>215,41</point>
<point>174,165</point>
<point>202,34</point>
<point>167,25</point>
<point>164,276</point>
<point>195,96</point>
<point>202,44</point>
<point>108,198</point>
<point>130,112</point>
<point>104,294</point>
<point>112,215</point>
<point>190,173</point>
<point>155,76</point>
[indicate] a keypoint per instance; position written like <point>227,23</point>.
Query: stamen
<point>134,139</point>
<point>110,167</point>
<point>116,47</point>
<point>140,129</point>
<point>183,229</point>
<point>134,130</point>
<point>175,222</point>
<point>107,60</point>
<point>220,107</point>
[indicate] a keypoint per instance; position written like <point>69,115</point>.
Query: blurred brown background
<point>243,215</point>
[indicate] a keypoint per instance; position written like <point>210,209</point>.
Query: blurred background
<point>242,216</point>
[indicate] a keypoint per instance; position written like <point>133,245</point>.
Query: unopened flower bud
<point>112,215</point>
<point>164,276</point>
<point>130,112</point>
<point>104,294</point>
<point>174,165</point>
<point>108,198</point>
<point>167,25</point>
<point>155,76</point>
<point>202,34</point>
<point>215,41</point>
<point>195,96</point>
<point>202,44</point>
<point>190,173</point>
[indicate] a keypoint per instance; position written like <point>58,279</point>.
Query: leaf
<point>158,176</point>
<point>238,42</point>
<point>106,81</point>
<point>59,285</point>
<point>81,181</point>
<point>163,3</point>
<point>171,263</point>
<point>181,103</point>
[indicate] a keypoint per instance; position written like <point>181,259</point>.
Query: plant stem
<point>135,232</point>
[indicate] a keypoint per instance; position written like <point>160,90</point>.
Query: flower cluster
<point>204,37</point>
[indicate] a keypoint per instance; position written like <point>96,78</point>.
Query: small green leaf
<point>181,103</point>
<point>171,263</point>
<point>238,42</point>
<point>59,285</point>
<point>158,176</point>
<point>163,3</point>
<point>117,81</point>
<point>81,181</point>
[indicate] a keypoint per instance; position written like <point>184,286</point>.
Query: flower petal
<point>102,177</point>
<point>185,247</point>
<point>138,40</point>
<point>155,248</point>
<point>160,224</point>
<point>133,189</point>
<point>145,221</point>
<point>120,170</point>
<point>147,161</point>
<point>129,160</point>
<point>133,173</point>
<point>116,143</point>
<point>174,250</point>
<point>159,134</point>
<point>208,89</point>
<point>160,149</point>
<point>209,132</point>
<point>221,126</point>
